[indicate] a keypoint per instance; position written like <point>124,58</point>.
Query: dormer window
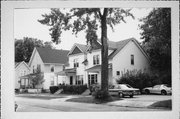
<point>96,59</point>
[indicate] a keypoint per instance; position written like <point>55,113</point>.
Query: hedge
<point>53,89</point>
<point>69,89</point>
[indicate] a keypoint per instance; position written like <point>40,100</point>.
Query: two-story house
<point>85,61</point>
<point>21,69</point>
<point>49,61</point>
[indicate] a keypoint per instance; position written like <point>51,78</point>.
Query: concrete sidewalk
<point>131,103</point>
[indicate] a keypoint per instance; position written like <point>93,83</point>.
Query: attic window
<point>132,59</point>
<point>52,69</point>
<point>117,73</point>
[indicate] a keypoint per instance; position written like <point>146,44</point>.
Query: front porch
<point>94,74</point>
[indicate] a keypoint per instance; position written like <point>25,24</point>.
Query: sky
<point>26,25</point>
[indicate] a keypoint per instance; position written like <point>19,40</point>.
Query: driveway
<point>141,101</point>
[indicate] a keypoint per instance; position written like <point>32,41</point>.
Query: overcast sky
<point>26,25</point>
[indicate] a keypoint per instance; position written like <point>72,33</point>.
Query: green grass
<point>41,97</point>
<point>90,99</point>
<point>162,104</point>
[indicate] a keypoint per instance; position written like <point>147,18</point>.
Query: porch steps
<point>86,92</point>
<point>58,91</point>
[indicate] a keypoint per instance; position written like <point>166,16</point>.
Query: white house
<point>49,61</point>
<point>21,69</point>
<point>85,61</point>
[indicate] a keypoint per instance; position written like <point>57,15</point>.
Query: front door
<point>71,80</point>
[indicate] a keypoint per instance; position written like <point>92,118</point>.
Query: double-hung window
<point>96,59</point>
<point>76,63</point>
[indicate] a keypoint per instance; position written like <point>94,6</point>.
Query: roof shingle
<point>52,55</point>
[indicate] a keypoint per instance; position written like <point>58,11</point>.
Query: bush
<point>94,87</point>
<point>53,89</point>
<point>101,95</point>
<point>69,89</point>
<point>138,79</point>
<point>73,89</point>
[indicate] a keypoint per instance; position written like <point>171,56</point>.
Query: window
<point>96,59</point>
<point>79,80</point>
<point>33,69</point>
<point>117,73</point>
<point>38,67</point>
<point>76,64</point>
<point>52,68</point>
<point>24,72</point>
<point>92,79</point>
<point>132,59</point>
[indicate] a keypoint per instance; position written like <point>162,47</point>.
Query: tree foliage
<point>88,20</point>
<point>36,79</point>
<point>24,48</point>
<point>156,33</point>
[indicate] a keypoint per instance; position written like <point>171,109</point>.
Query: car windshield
<point>167,85</point>
<point>124,87</point>
<point>128,86</point>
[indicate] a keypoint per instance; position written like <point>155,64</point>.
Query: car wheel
<point>163,92</point>
<point>147,91</point>
<point>121,95</point>
<point>131,96</point>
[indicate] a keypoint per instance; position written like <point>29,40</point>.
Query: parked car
<point>163,89</point>
<point>123,90</point>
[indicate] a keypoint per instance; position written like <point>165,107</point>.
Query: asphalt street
<point>26,104</point>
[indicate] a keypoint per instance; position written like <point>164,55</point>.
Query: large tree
<point>156,32</point>
<point>24,48</point>
<point>89,20</point>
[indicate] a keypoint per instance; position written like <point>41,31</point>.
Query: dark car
<point>123,90</point>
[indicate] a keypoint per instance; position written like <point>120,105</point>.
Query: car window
<point>123,87</point>
<point>128,86</point>
<point>156,86</point>
<point>166,85</point>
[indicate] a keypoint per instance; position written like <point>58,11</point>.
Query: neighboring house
<point>49,61</point>
<point>21,69</point>
<point>85,61</point>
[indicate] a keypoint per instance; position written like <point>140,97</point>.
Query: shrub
<point>138,79</point>
<point>101,95</point>
<point>94,87</point>
<point>73,89</point>
<point>53,89</point>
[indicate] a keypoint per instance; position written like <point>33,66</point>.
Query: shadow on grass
<point>162,104</point>
<point>91,99</point>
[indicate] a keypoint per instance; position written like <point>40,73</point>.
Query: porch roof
<point>95,68</point>
<point>29,75</point>
<point>66,71</point>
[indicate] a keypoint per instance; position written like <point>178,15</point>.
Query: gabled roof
<point>121,44</point>
<point>118,46</point>
<point>81,47</point>
<point>53,55</point>
<point>17,64</point>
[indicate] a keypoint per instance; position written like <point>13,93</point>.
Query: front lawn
<point>90,99</point>
<point>40,97</point>
<point>162,104</point>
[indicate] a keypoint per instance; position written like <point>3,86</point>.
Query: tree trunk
<point>104,52</point>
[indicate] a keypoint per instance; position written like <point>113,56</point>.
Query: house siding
<point>35,61</point>
<point>122,61</point>
<point>21,70</point>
